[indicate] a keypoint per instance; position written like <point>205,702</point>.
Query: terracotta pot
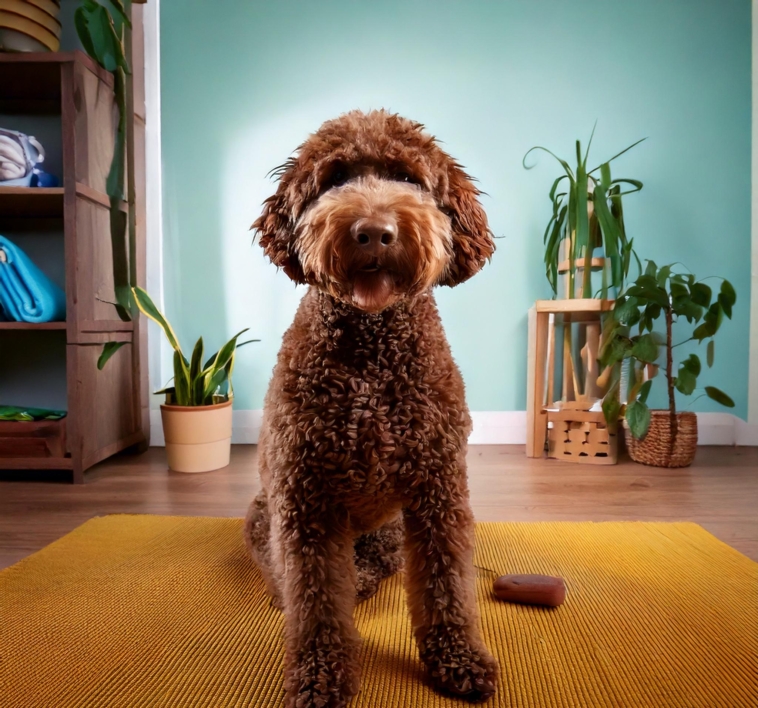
<point>656,448</point>
<point>198,438</point>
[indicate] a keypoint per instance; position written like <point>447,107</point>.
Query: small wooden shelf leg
<point>536,425</point>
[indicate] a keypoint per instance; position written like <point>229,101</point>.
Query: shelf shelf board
<point>36,202</point>
<point>45,202</point>
<point>33,326</point>
<point>30,82</point>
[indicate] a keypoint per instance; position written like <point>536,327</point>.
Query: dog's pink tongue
<point>372,291</point>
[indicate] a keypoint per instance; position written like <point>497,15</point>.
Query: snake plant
<point>195,383</point>
<point>587,213</point>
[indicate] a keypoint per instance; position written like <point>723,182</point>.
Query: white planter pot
<point>198,438</point>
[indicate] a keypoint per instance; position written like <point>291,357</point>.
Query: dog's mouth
<point>374,287</point>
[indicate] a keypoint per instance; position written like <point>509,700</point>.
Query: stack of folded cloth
<point>26,293</point>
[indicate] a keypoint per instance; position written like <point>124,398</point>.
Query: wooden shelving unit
<point>107,410</point>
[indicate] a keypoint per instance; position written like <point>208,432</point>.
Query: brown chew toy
<point>530,589</point>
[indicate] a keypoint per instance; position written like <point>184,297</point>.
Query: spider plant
<point>195,383</point>
<point>587,214</point>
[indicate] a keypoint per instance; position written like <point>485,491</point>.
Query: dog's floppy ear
<point>472,239</point>
<point>275,226</point>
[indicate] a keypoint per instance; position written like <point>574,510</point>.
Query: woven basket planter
<point>656,447</point>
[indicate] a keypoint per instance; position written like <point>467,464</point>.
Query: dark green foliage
<point>602,226</point>
<point>193,385</point>
<point>661,293</point>
<point>101,29</point>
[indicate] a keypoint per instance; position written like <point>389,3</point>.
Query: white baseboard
<point>501,428</point>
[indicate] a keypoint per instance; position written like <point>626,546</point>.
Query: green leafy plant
<point>587,213</point>
<point>661,293</point>
<point>195,383</point>
<point>102,31</point>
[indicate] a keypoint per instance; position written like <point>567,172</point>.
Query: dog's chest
<point>373,415</point>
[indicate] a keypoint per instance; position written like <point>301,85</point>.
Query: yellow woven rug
<point>169,611</point>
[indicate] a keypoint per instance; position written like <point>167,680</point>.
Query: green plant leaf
<point>686,381</point>
<point>638,418</point>
<point>645,391</point>
<point>645,348</point>
<point>611,408</point>
<point>663,276</point>
<point>196,360</point>
<point>147,307</point>
<point>685,307</point>
<point>82,30</point>
<point>181,380</point>
<point>711,323</point>
<point>726,306</point>
<point>218,359</point>
<point>214,381</point>
<point>701,294</point>
<point>624,309</point>
<point>692,364</point>
<point>618,154</point>
<point>564,164</point>
<point>109,349</point>
<point>651,270</point>
<point>710,351</point>
<point>719,396</point>
<point>617,349</point>
<point>727,290</point>
<point>678,290</point>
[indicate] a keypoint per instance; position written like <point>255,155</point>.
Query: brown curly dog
<point>362,453</point>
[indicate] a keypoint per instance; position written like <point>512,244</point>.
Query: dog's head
<point>371,211</point>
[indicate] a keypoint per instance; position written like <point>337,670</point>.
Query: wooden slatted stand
<point>561,421</point>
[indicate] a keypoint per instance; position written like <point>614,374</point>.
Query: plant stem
<point>670,378</point>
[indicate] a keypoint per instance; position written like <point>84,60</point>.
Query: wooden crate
<point>581,436</point>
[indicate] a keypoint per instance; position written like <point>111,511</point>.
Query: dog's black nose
<point>374,234</point>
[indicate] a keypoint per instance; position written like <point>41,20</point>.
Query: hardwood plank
<point>718,492</point>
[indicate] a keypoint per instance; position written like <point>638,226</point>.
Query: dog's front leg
<point>439,544</point>
<point>321,664</point>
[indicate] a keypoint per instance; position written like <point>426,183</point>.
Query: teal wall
<point>244,82</point>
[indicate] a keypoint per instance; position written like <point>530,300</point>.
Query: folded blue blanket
<point>26,293</point>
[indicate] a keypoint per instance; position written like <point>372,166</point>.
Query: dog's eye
<point>403,177</point>
<point>338,177</point>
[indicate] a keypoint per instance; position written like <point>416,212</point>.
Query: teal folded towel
<point>26,293</point>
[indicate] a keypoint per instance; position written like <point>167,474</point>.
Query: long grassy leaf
<point>147,307</point>
<point>181,380</point>
<point>589,145</point>
<point>564,164</point>
<point>618,154</point>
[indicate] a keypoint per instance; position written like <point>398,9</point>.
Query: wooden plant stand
<point>107,410</point>
<point>563,419</point>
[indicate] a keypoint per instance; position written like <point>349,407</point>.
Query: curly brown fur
<point>365,416</point>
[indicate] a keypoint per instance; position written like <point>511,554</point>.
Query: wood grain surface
<point>719,492</point>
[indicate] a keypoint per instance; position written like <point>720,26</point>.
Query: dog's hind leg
<point>378,555</point>
<point>257,533</point>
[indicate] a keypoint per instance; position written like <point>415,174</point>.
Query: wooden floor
<point>720,492</point>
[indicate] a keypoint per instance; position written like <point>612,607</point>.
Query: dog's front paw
<point>463,672</point>
<point>325,680</point>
